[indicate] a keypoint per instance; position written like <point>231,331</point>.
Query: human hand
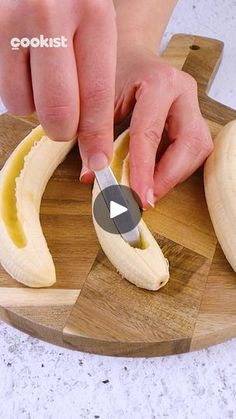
<point>72,89</point>
<point>161,97</point>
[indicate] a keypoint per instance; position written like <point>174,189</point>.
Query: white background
<point>38,380</point>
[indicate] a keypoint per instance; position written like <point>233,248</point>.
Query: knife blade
<point>106,178</point>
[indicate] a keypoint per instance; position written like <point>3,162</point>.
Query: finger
<point>15,81</point>
<point>56,90</point>
<point>95,46</point>
<point>147,125</point>
<point>124,101</point>
<point>191,144</point>
<point>86,175</point>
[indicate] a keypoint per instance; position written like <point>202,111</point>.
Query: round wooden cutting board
<point>91,308</point>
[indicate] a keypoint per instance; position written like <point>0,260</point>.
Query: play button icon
<point>116,209</point>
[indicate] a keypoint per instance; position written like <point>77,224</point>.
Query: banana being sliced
<point>220,190</point>
<point>146,267</point>
<point>23,249</point>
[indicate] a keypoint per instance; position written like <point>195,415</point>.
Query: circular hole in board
<point>195,47</point>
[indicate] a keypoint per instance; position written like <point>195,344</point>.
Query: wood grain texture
<point>91,307</point>
<point>103,311</point>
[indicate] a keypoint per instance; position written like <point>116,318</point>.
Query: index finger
<point>95,49</point>
<point>56,91</point>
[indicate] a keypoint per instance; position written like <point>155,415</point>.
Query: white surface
<point>38,380</point>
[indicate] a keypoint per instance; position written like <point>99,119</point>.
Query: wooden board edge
<point>125,349</point>
<point>27,326</point>
<point>205,341</point>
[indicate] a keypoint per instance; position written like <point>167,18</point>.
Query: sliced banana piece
<point>146,267</point>
<point>23,250</point>
<point>220,190</point>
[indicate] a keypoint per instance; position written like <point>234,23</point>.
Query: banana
<point>23,250</point>
<point>220,190</point>
<point>146,267</point>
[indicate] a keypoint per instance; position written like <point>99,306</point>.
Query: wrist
<point>142,22</point>
<point>131,37</point>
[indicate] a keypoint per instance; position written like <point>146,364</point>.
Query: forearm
<point>142,21</point>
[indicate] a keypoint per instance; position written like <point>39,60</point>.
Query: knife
<point>106,178</point>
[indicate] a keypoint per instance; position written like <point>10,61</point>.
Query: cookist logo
<point>40,42</point>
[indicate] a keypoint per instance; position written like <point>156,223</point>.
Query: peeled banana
<point>146,266</point>
<point>23,249</point>
<point>220,190</point>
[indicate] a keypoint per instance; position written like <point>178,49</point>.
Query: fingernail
<point>150,198</point>
<point>98,161</point>
<point>83,172</point>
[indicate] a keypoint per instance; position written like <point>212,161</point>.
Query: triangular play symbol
<point>116,209</point>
